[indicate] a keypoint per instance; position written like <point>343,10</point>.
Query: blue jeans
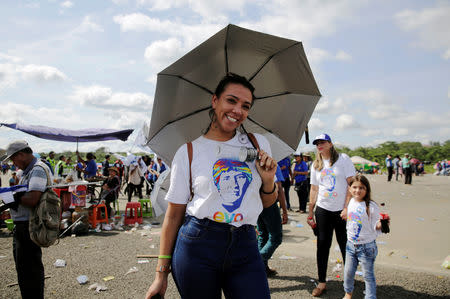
<point>365,254</point>
<point>210,257</point>
<point>270,231</point>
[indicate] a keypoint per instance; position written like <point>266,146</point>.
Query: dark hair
<point>107,157</point>
<point>26,150</point>
<point>229,78</point>
<point>90,156</point>
<point>61,157</point>
<point>363,180</point>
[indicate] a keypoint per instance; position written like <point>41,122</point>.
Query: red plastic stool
<point>133,213</point>
<point>98,214</point>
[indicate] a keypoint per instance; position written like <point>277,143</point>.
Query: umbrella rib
<point>226,50</point>
<point>268,59</point>
<point>274,95</point>
<point>255,122</point>
<point>189,81</point>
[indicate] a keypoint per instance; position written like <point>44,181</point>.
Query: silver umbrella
<point>285,90</point>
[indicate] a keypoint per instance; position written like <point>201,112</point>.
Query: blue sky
<point>383,67</point>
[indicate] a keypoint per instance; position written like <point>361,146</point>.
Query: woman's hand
<point>159,286</point>
<point>266,167</point>
<point>311,222</point>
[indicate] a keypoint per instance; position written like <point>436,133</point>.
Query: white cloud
<point>10,58</point>
<point>120,2</point>
<point>67,4</point>
<point>331,107</point>
<point>162,53</point>
<point>370,132</point>
<point>343,56</point>
<point>8,76</point>
<point>104,98</point>
<point>400,131</point>
<point>346,121</point>
<point>88,25</point>
<point>431,26</point>
<point>316,124</point>
<point>42,73</point>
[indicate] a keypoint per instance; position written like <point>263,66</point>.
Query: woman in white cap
<point>330,175</point>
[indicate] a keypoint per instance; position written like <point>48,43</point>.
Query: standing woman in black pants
<point>330,175</point>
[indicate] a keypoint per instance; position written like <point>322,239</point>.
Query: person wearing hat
<point>407,169</point>
<point>110,188</point>
<point>27,255</point>
<point>330,174</point>
<point>299,177</point>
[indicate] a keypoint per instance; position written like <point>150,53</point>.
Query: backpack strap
<point>44,166</point>
<point>253,140</point>
<point>190,154</point>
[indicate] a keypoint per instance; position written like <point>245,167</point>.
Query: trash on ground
<point>381,242</point>
<point>404,256</point>
<point>107,227</point>
<point>390,253</point>
<point>299,225</point>
<point>82,279</point>
<point>108,278</point>
<point>73,235</point>
<point>156,223</point>
<point>336,248</point>
<point>420,219</point>
<point>152,246</point>
<point>98,287</point>
<point>136,224</point>
<point>2,256</point>
<point>128,232</point>
<point>446,263</point>
<point>143,234</point>
<point>337,268</point>
<point>133,229</point>
<point>287,257</point>
<point>143,261</point>
<point>132,270</point>
<point>59,263</point>
<point>293,223</point>
<point>155,233</point>
<point>338,276</point>
<point>359,273</point>
<point>147,227</point>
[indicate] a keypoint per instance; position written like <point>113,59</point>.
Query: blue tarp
<point>86,135</point>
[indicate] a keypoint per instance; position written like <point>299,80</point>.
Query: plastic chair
<point>147,204</point>
<point>133,213</point>
<point>98,214</point>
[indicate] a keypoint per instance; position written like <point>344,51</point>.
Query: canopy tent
<point>58,134</point>
<point>360,160</point>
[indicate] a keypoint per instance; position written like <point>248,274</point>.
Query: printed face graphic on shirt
<point>328,180</point>
<point>355,222</point>
<point>232,179</point>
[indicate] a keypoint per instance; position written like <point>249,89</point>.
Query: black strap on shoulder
<point>253,140</point>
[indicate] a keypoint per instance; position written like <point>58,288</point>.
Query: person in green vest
<point>52,161</point>
<point>59,168</point>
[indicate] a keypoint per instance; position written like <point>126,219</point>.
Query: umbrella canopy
<point>58,134</point>
<point>359,160</point>
<point>285,90</point>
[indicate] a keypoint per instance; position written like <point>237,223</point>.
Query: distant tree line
<point>431,153</point>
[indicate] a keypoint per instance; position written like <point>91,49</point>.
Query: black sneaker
<point>271,272</point>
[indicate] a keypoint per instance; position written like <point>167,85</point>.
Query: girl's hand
<point>266,167</point>
<point>159,286</point>
<point>344,214</point>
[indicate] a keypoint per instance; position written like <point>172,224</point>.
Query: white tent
<point>360,160</point>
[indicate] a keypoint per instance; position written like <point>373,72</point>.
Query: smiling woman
<point>228,196</point>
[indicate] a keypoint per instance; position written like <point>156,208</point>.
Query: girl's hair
<point>229,78</point>
<point>318,162</point>
<point>363,180</point>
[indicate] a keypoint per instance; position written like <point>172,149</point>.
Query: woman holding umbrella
<point>330,174</point>
<point>208,233</point>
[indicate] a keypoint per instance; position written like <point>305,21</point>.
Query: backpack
<point>45,218</point>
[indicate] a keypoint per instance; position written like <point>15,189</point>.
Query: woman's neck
<point>215,133</point>
<point>326,156</point>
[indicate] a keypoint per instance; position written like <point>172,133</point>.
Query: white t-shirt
<point>361,228</point>
<point>225,189</point>
<point>332,182</point>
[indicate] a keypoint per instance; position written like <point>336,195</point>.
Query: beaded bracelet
<point>274,187</point>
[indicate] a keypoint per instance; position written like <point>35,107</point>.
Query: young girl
<point>363,226</point>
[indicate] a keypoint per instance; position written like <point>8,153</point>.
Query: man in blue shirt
<point>91,166</point>
<point>390,167</point>
<point>301,184</point>
<point>285,166</point>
